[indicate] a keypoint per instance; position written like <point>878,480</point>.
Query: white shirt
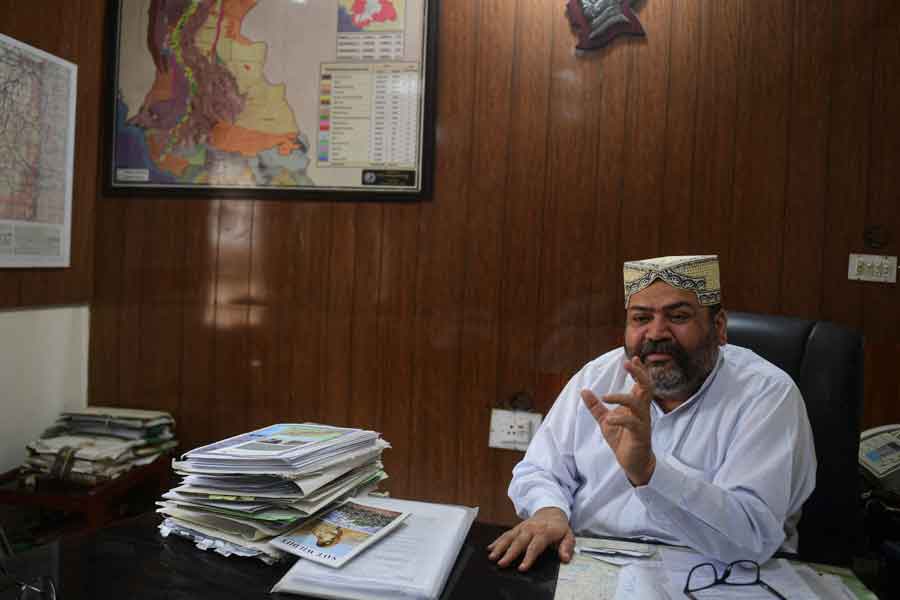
<point>734,463</point>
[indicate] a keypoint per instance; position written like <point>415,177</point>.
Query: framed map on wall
<point>318,99</point>
<point>37,149</point>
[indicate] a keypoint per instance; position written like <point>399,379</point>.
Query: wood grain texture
<point>880,301</point>
<point>645,121</point>
<point>764,69</point>
<point>434,467</point>
<point>570,207</point>
<point>848,148</point>
<point>764,131</point>
<point>337,333</point>
<point>681,117</point>
<point>714,141</point>
<point>522,230</point>
<point>807,160</point>
<point>479,347</point>
<point>392,374</point>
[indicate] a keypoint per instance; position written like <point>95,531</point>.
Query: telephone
<point>879,455</point>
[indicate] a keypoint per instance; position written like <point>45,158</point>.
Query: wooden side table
<point>98,505</point>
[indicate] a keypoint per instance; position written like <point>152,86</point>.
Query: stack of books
<point>237,494</point>
<point>99,443</point>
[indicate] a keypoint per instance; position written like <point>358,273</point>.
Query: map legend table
<point>370,115</point>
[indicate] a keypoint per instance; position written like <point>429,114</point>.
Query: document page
<point>413,561</point>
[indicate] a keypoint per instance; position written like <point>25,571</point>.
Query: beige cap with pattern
<point>698,274</point>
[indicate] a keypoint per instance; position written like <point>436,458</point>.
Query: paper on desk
<point>825,585</point>
<point>614,547</point>
<point>777,573</point>
<point>583,577</point>
<point>412,562</point>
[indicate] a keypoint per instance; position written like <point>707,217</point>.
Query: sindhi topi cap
<point>698,274</point>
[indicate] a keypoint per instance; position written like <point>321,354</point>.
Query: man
<point>678,436</point>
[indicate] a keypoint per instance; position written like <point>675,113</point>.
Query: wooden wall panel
<point>714,140</point>
<point>764,77</point>
<point>881,319</point>
<point>521,234</point>
<point>848,146</point>
<point>570,207</point>
<point>479,344</point>
<point>434,458</point>
<point>645,141</point>
<point>764,131</point>
<point>364,392</point>
<point>391,376</point>
<point>308,320</point>
<point>681,118</point>
<point>337,334</point>
<point>807,160</point>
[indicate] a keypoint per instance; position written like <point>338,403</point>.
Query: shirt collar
<point>695,398</point>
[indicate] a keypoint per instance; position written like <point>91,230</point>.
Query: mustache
<point>662,347</point>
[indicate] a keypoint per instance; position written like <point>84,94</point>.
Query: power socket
<point>872,267</point>
<point>512,429</point>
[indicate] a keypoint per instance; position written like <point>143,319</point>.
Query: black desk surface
<point>131,561</point>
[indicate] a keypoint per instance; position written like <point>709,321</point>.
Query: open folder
<point>412,562</point>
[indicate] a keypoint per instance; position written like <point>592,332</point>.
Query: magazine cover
<point>340,534</point>
<point>272,441</point>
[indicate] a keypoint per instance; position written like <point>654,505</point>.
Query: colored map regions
<point>210,116</point>
<point>34,123</point>
<point>356,16</point>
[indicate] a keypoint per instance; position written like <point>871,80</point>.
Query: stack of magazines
<point>98,444</point>
<point>239,493</point>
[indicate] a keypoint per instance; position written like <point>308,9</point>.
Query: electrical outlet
<point>512,429</point>
<point>872,267</point>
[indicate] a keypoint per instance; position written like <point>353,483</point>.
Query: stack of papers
<point>98,444</point>
<point>412,562</point>
<point>239,493</point>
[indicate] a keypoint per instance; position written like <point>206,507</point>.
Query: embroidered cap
<point>698,274</point>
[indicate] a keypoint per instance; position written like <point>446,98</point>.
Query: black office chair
<point>826,362</point>
<point>5,548</point>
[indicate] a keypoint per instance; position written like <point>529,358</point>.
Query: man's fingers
<point>624,420</point>
<point>499,546</point>
<point>629,400</point>
<point>537,545</point>
<point>593,404</point>
<point>515,548</point>
<point>567,547</point>
<point>639,372</point>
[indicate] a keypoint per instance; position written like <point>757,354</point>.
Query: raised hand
<point>548,526</point>
<point>627,427</point>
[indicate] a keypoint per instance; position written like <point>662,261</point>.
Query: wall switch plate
<point>512,429</point>
<point>872,267</point>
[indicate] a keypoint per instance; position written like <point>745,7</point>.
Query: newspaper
<point>340,534</point>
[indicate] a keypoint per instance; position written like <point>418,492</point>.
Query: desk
<point>98,505</point>
<point>130,560</point>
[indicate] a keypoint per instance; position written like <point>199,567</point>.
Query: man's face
<point>673,335</point>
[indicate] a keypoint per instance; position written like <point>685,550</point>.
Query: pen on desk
<point>616,552</point>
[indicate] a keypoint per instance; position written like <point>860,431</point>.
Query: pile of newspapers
<point>99,443</point>
<point>236,495</point>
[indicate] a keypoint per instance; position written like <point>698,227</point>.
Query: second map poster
<point>314,96</point>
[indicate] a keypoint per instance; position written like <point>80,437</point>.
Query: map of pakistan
<point>281,95</point>
<point>37,127</point>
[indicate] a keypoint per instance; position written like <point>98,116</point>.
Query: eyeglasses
<point>41,588</point>
<point>739,572</point>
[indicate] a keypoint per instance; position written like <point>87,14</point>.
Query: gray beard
<point>686,372</point>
